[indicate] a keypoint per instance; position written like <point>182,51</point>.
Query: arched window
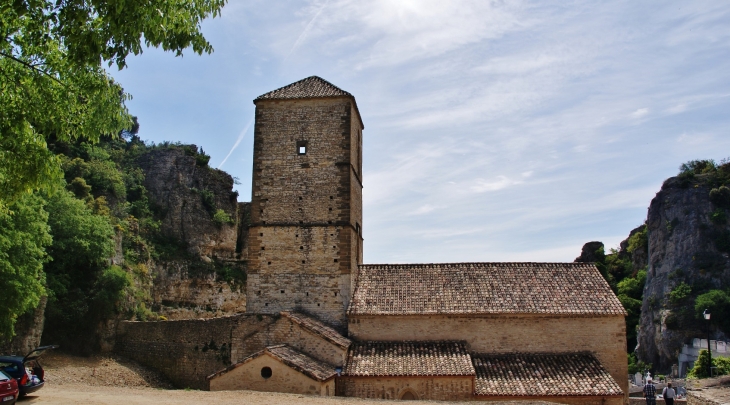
<point>266,372</point>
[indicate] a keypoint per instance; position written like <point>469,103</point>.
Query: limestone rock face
<point>187,195</point>
<point>588,253</point>
<point>179,292</point>
<point>681,249</point>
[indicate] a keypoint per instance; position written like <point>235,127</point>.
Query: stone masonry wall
<point>426,388</point>
<point>187,351</point>
<point>302,220</point>
<point>603,336</point>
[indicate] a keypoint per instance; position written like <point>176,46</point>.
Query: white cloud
<point>499,183</point>
<point>424,209</point>
<point>641,112</point>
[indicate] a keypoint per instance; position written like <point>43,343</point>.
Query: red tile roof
<point>300,362</point>
<point>369,359</point>
<point>483,288</point>
<point>311,87</point>
<point>541,375</point>
<point>318,328</point>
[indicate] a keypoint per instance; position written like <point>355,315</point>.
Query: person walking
<point>668,393</point>
<point>650,392</point>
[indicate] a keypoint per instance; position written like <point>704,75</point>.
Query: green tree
<point>717,303</point>
<point>23,236</point>
<point>53,85</point>
<point>82,244</point>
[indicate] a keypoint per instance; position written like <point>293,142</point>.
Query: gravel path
<point>101,380</point>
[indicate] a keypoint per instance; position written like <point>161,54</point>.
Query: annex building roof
<point>373,359</point>
<point>542,375</point>
<point>300,362</point>
<point>483,288</point>
<point>318,328</point>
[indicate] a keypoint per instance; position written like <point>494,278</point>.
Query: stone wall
<point>425,388</point>
<point>305,209</point>
<point>605,336</point>
<point>187,351</point>
<point>283,379</point>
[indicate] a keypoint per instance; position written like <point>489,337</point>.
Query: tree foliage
<point>52,80</point>
<point>23,236</point>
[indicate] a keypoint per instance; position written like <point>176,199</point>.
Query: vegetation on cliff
<point>89,244</point>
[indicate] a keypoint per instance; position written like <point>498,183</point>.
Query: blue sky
<point>494,130</point>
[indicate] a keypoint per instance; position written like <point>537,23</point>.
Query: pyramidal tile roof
<point>372,359</point>
<point>483,288</point>
<point>311,87</point>
<point>542,375</point>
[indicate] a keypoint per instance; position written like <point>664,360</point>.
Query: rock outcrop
<point>187,195</point>
<point>683,250</point>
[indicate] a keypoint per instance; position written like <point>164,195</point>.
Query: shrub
<point>222,218</point>
<point>638,241</point>
<point>718,217</point>
<point>698,167</point>
<point>717,302</point>
<point>720,196</point>
<point>679,293</point>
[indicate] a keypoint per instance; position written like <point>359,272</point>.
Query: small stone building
<point>277,369</point>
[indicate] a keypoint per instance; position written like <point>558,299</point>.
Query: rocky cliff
<point>199,213</point>
<point>688,256</point>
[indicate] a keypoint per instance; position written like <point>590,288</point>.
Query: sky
<point>494,130</point>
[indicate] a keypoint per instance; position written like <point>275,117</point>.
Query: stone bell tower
<point>305,239</point>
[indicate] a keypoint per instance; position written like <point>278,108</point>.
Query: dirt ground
<point>101,380</point>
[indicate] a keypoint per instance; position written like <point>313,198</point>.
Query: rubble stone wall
<point>424,388</point>
<point>187,351</point>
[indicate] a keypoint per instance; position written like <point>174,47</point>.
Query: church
<point>442,331</point>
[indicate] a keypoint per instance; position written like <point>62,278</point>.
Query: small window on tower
<point>302,147</point>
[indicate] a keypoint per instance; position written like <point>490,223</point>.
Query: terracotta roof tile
<point>315,369</point>
<point>311,87</point>
<point>537,374</point>
<point>368,359</point>
<point>483,288</point>
<point>318,328</point>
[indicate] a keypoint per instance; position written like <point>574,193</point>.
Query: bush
<point>698,167</point>
<point>718,217</point>
<point>717,302</point>
<point>720,196</point>
<point>679,293</point>
<point>222,218</point>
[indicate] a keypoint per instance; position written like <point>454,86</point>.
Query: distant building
<point>454,331</point>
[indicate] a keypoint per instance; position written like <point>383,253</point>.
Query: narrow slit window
<point>302,147</point>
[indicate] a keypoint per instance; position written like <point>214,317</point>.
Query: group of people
<point>668,393</point>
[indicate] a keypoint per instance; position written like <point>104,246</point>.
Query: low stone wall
<point>187,351</point>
